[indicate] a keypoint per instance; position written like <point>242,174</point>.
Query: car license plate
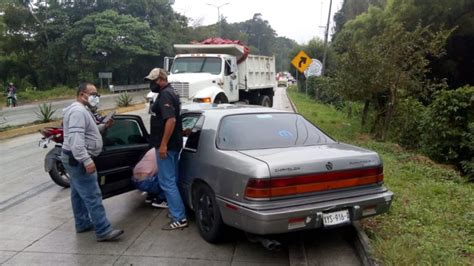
<point>335,218</point>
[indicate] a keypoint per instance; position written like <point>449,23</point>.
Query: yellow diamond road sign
<point>301,61</point>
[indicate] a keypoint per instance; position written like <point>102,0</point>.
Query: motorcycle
<point>52,161</point>
<point>11,100</point>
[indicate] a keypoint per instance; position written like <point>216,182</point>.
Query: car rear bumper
<point>302,217</point>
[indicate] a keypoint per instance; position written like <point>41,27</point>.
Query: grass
<point>431,220</point>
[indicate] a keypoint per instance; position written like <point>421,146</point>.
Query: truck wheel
<point>220,98</point>
<point>58,174</point>
<point>208,217</point>
<point>265,100</point>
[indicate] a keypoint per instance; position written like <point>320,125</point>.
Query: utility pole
<point>326,40</point>
<point>218,15</point>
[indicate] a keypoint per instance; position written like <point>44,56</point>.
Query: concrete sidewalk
<point>42,232</point>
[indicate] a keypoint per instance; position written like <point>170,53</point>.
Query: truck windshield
<point>210,65</point>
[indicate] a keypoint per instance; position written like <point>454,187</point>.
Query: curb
<point>24,130</point>
<point>292,103</point>
<point>362,246</point>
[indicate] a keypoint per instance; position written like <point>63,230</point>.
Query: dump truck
<point>221,73</point>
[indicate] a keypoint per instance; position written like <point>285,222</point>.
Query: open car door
<point>125,143</point>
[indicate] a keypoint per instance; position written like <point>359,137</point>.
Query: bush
<point>448,130</point>
<point>124,99</point>
<point>408,118</point>
<point>323,89</point>
<point>45,113</point>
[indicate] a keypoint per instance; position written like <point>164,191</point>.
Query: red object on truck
<point>226,41</point>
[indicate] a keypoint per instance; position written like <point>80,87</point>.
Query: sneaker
<point>159,204</point>
<point>176,225</point>
<point>112,235</point>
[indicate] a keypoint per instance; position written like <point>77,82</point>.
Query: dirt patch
<point>421,159</point>
<point>363,137</point>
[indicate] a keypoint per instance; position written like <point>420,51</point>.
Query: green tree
<point>283,46</point>
<point>457,65</point>
<point>350,10</point>
<point>383,62</point>
<point>43,47</point>
<point>116,40</point>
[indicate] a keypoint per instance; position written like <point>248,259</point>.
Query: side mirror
<point>233,65</point>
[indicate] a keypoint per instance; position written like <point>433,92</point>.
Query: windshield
<point>210,65</point>
<point>266,131</point>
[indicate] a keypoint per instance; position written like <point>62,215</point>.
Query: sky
<point>300,20</point>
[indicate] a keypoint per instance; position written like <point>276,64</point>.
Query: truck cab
<point>221,73</point>
<point>207,78</point>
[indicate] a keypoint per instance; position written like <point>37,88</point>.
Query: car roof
<point>226,109</point>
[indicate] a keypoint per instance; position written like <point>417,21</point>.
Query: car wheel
<point>220,98</point>
<point>265,100</point>
<point>208,217</point>
<point>59,175</point>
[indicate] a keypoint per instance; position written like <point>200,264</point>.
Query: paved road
<point>37,225</point>
<point>25,114</point>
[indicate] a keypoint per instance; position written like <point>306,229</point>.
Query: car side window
<point>192,141</point>
<point>124,132</point>
<point>188,121</point>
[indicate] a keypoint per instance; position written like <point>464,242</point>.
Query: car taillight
<point>277,187</point>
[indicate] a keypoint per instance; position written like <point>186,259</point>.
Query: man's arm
<point>76,128</point>
<point>168,131</point>
<point>167,111</point>
<point>103,127</point>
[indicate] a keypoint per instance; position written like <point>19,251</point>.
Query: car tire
<point>208,217</point>
<point>59,175</point>
<point>265,100</point>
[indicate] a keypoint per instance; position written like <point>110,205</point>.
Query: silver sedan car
<point>257,169</point>
<point>266,171</point>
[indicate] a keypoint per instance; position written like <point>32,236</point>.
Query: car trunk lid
<point>300,170</point>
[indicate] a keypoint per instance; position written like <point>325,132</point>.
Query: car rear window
<point>268,130</point>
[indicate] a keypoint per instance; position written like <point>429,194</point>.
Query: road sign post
<point>301,62</point>
<point>105,75</point>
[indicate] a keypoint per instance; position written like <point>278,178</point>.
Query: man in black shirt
<point>167,138</point>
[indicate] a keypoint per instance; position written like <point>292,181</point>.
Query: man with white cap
<point>167,138</point>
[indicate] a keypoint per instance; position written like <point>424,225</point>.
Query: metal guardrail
<point>123,88</point>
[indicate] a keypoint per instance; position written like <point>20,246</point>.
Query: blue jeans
<point>150,185</point>
<point>86,199</point>
<point>168,173</point>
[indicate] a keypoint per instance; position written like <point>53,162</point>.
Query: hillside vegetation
<point>431,220</point>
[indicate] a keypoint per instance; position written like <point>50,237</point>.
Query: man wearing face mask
<point>167,138</point>
<point>82,141</point>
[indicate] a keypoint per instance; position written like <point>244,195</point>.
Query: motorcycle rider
<point>11,93</point>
